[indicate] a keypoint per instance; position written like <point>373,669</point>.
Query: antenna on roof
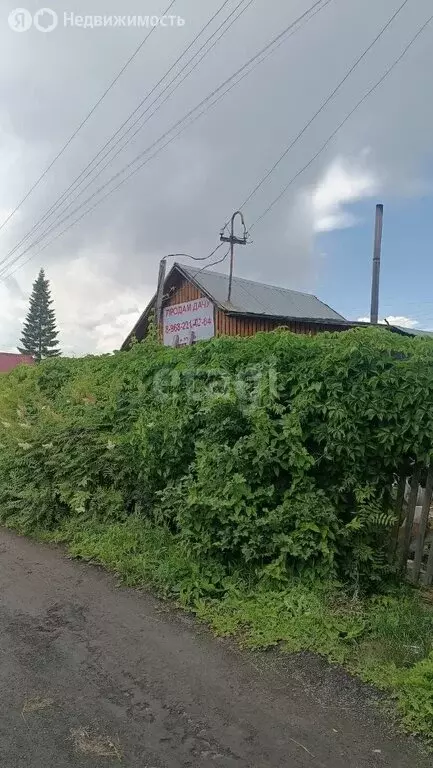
<point>232,239</point>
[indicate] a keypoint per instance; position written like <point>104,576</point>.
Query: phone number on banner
<point>189,325</point>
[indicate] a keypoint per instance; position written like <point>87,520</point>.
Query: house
<point>195,307</point>
<point>9,360</point>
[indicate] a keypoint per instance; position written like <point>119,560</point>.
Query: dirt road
<point>92,674</point>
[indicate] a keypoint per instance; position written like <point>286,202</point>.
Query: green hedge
<point>276,451</point>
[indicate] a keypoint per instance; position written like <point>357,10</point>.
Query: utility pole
<point>232,239</point>
<point>374,311</point>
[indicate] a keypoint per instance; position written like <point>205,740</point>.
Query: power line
<point>348,116</point>
<point>194,258</point>
<point>78,181</point>
<point>107,194</point>
<point>258,58</point>
<point>83,122</point>
<point>128,141</point>
<point>89,210</point>
<point>209,256</point>
<point>148,149</point>
<point>323,105</point>
<point>219,261</point>
<point>58,218</point>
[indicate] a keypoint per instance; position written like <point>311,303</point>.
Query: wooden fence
<point>412,540</point>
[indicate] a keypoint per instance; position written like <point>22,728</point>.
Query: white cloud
<point>94,312</point>
<point>341,220</point>
<point>405,322</point>
<point>343,182</point>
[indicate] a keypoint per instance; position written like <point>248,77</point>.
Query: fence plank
<point>411,504</point>
<point>423,525</point>
<point>398,509</point>
<point>429,570</point>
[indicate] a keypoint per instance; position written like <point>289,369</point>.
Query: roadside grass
<point>385,640</point>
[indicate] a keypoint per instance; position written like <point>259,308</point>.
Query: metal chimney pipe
<point>374,311</point>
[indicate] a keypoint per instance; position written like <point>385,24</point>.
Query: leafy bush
<point>277,451</point>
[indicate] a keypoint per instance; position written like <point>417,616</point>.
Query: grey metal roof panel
<point>249,297</point>
<point>412,331</point>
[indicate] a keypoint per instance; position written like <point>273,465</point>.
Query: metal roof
<point>412,331</point>
<point>10,360</point>
<point>252,298</point>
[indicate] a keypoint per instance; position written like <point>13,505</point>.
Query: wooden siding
<point>235,325</point>
<point>184,292</point>
<point>238,325</point>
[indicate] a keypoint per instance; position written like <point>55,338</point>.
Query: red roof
<point>9,360</point>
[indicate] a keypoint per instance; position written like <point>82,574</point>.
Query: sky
<point>318,237</point>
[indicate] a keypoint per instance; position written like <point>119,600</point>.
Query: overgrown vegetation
<point>249,478</point>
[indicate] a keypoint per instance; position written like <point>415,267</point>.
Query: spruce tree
<point>39,336</point>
